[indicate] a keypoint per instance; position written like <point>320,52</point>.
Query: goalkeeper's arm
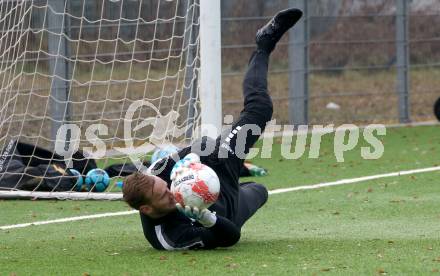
<point>181,233</point>
<point>223,233</point>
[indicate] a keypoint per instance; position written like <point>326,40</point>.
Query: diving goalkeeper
<point>167,227</point>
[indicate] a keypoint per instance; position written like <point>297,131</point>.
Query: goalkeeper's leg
<point>252,196</point>
<point>258,106</point>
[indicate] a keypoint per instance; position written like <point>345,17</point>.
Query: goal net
<point>92,83</point>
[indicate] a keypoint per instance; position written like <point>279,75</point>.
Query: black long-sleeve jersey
<point>176,231</point>
<point>236,203</point>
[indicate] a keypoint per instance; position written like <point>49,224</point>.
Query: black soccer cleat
<point>268,36</point>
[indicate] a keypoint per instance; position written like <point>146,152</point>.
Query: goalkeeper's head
<point>149,194</point>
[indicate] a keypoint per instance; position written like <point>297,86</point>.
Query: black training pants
<point>236,142</point>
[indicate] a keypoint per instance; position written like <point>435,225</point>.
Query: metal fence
<point>345,61</point>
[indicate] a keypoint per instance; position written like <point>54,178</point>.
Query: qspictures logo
<point>234,139</point>
<point>165,129</point>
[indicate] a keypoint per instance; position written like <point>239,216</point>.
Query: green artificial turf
<point>386,226</point>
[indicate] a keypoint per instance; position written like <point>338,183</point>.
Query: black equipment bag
<point>28,167</point>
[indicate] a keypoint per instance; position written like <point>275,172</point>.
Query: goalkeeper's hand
<point>204,216</point>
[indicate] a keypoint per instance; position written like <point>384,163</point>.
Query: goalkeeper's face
<point>161,200</point>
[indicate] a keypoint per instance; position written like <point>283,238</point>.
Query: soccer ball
<point>163,152</point>
<point>79,185</point>
<point>196,185</point>
<point>97,180</point>
<point>189,158</point>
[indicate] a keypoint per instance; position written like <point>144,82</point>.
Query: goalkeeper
<point>167,228</point>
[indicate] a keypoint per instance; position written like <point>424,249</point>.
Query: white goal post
<point>210,48</point>
<point>71,71</point>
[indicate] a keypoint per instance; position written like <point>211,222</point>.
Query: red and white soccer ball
<point>196,186</point>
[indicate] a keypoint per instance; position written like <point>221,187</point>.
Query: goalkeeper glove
<point>204,216</point>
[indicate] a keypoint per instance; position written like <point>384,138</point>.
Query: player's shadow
<point>245,246</point>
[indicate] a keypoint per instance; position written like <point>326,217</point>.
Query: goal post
<point>210,48</point>
<point>75,74</point>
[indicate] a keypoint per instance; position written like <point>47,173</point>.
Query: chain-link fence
<point>347,61</point>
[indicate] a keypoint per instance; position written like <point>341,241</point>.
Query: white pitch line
<point>277,191</point>
<point>353,180</point>
<point>68,219</point>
